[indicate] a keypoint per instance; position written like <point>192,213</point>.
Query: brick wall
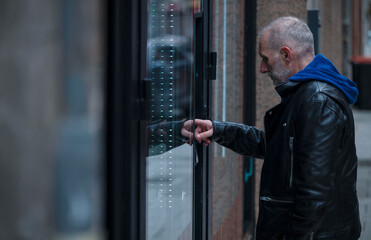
<point>331,40</point>
<point>226,166</point>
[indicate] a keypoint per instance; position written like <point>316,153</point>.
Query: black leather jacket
<point>308,180</point>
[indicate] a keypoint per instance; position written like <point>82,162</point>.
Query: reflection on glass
<point>169,161</point>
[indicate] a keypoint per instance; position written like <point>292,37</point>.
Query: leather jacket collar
<point>286,89</point>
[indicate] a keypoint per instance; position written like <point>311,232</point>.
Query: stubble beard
<point>279,74</point>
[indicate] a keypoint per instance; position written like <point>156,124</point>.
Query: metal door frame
<point>126,127</point>
<point>125,169</point>
<point>202,98</point>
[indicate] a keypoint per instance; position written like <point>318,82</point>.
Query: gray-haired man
<point>308,180</point>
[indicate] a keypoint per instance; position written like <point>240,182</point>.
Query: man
<point>308,180</point>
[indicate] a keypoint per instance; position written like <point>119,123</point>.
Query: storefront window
<point>169,163</point>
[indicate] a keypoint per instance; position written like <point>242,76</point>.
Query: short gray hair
<point>291,32</point>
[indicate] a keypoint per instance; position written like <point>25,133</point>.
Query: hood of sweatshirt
<point>322,69</point>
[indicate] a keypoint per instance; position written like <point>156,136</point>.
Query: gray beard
<point>279,75</point>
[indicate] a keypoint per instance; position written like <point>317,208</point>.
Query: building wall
<point>227,91</point>
<point>331,30</point>
<point>347,37</point>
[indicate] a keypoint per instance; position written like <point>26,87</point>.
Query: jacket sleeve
<point>240,138</point>
<point>317,133</point>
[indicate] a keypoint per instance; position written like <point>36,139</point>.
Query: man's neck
<point>303,63</point>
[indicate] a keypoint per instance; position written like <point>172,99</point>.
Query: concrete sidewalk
<point>362,120</point>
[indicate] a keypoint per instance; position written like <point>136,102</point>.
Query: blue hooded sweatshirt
<point>322,69</point>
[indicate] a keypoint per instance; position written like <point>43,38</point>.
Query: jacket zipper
<point>268,199</point>
<point>291,145</point>
<point>311,236</point>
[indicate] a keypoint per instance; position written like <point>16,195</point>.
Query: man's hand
<point>187,131</point>
<point>203,131</point>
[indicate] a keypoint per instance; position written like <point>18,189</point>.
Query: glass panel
<point>169,161</point>
<point>51,119</point>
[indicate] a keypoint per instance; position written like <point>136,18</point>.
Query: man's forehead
<point>264,35</point>
<point>262,42</point>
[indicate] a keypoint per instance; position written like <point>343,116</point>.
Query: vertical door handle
<point>145,99</point>
<point>211,69</point>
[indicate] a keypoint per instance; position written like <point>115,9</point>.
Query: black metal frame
<point>202,99</point>
<point>126,127</point>
<point>314,25</point>
<point>198,150</point>
<point>210,75</point>
<point>249,103</point>
<point>124,170</point>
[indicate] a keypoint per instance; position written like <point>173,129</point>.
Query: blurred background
<point>52,63</point>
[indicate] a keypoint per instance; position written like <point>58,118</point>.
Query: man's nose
<point>263,67</point>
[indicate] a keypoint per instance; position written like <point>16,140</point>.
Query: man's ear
<point>286,54</point>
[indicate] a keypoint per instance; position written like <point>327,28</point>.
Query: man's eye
<point>265,59</point>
